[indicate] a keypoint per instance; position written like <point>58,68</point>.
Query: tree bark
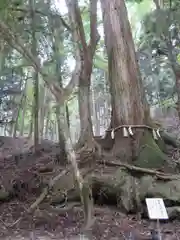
<point>86,54</point>
<point>129,105</point>
<point>61,137</point>
<point>58,40</point>
<point>32,4</point>
<point>156,3</point>
<point>43,106</point>
<point>86,133</point>
<point>177,77</point>
<point>47,124</point>
<point>23,117</point>
<point>31,124</point>
<point>176,70</point>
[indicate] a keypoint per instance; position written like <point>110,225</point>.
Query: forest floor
<point>48,223</point>
<point>110,224</point>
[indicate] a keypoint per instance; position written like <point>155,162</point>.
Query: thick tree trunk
<point>97,119</point>
<point>36,111</point>
<point>85,54</point>
<point>61,137</point>
<point>15,125</point>
<point>32,5</point>
<point>129,106</point>
<point>47,124</point>
<point>177,76</point>
<point>42,105</point>
<point>31,124</point>
<point>176,69</point>
<point>95,112</point>
<point>156,2</point>
<point>86,133</point>
<point>23,117</point>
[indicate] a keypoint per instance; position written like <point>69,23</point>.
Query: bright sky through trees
<point>143,8</point>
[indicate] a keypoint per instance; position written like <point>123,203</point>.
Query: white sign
<point>156,208</point>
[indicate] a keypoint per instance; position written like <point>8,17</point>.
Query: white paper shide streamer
<point>154,134</point>
<point>158,133</point>
<point>130,131</point>
<point>103,136</point>
<point>112,134</point>
<point>125,132</point>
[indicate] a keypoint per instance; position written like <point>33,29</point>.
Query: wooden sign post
<point>156,211</point>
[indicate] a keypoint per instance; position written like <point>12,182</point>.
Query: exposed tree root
<point>169,139</point>
<point>105,142</point>
<point>39,199</point>
<point>159,174</point>
<point>92,148</point>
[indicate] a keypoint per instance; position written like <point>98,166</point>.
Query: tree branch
<point>156,2</point>
<point>51,82</point>
<point>94,35</point>
<point>44,14</point>
<point>76,20</point>
<point>131,168</point>
<point>74,78</point>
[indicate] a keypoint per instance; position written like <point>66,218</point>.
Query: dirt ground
<point>51,223</point>
<point>46,224</point>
